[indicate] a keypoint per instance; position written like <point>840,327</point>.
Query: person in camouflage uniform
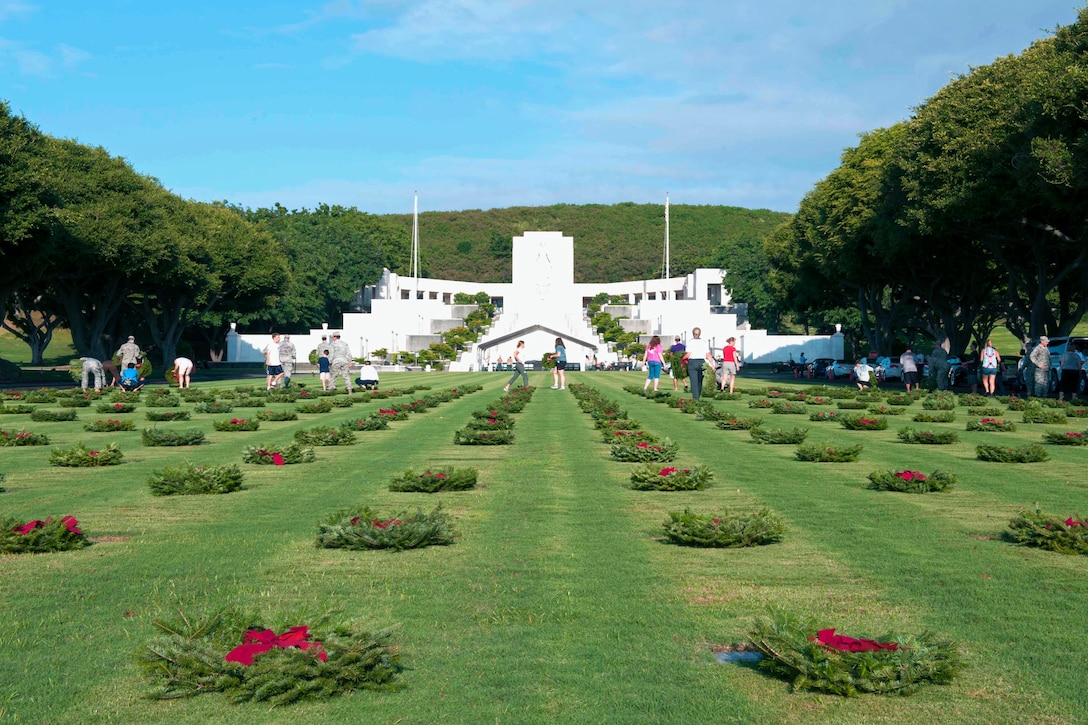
<point>340,361</point>
<point>939,367</point>
<point>1039,382</point>
<point>93,366</point>
<point>287,359</point>
<point>129,353</point>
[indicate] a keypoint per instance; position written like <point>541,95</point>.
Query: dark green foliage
<point>825,415</point>
<point>991,424</point>
<point>911,481</point>
<point>737,423</point>
<point>45,415</point>
<point>726,529</point>
<point>986,412</point>
<point>69,402</point>
<point>1068,438</point>
<point>293,452</point>
<point>277,415</point>
<point>939,402</point>
<point>159,437</point>
<point>852,405</point>
<point>213,406</point>
<point>778,436</point>
<point>944,416</point>
<point>644,452</point>
<point>1034,413</point>
<point>186,478</point>
<point>166,415</point>
<point>361,528</point>
<point>1068,536</point>
<point>17,409</point>
<point>652,477</point>
<point>791,652</point>
<point>863,422</point>
<point>79,456</point>
<point>931,437</point>
<point>188,659</point>
<point>115,408</point>
<point>434,480</point>
<point>323,406</point>
<point>1033,453</point>
<point>110,425</point>
<point>816,453</point>
<point>22,438</point>
<point>51,535</point>
<point>237,424</point>
<point>373,422</point>
<point>471,437</point>
<point>787,407</point>
<point>326,436</point>
<point>162,398</point>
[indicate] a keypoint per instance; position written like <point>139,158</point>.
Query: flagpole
<point>415,240</point>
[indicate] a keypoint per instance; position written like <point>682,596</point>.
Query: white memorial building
<point>540,303</point>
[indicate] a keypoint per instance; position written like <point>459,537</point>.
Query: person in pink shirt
<point>730,363</point>
<point>654,362</point>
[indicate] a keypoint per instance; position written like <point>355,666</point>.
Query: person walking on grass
<point>698,353</point>
<point>676,371</point>
<point>559,375</point>
<point>272,363</point>
<point>519,368</point>
<point>340,361</point>
<point>991,362</point>
<point>324,369</point>
<point>730,363</point>
<point>654,359</point>
<point>287,359</point>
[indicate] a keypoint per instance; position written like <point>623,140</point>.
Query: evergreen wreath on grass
<point>162,398</point>
<point>812,658</point>
<point>860,422</point>
<point>991,424</point>
<point>372,422</point>
<point>630,436</point>
<point>652,477</point>
<point>39,537</point>
<point>986,412</point>
<point>739,423</point>
<point>236,424</point>
<point>761,403</point>
<point>644,452</point>
<point>724,530</point>
<point>492,413</point>
<point>885,410</point>
<point>254,402</point>
<point>166,415</point>
<point>1076,412</point>
<point>194,395</point>
<point>944,416</point>
<point>231,653</point>
<point>777,436</point>
<point>1069,536</point>
<point>972,399</point>
<point>818,453</point>
<point>391,414</point>
<point>852,405</point>
<point>785,407</point>
<point>73,402</point>
<point>153,437</point>
<point>711,414</point>
<point>120,395</point>
<point>361,528</point>
<point>17,409</point>
<point>930,437</point>
<point>435,480</point>
<point>45,415</point>
<point>79,456</point>
<point>911,481</point>
<point>278,455</point>
<point>22,438</point>
<point>939,402</point>
<point>899,399</point>
<point>326,436</point>
<point>470,437</point>
<point>1033,453</point>
<point>490,424</point>
<point>187,479</point>
<point>1033,413</point>
<point>115,408</point>
<point>822,416</point>
<point>277,415</point>
<point>321,406</point>
<point>1068,438</point>
<point>42,395</point>
<point>213,406</point>
<point>110,425</point>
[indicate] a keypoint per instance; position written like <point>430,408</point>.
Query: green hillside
<point>612,243</point>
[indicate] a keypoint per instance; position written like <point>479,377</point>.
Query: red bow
<point>1070,522</point>
<point>258,642</point>
<point>69,522</point>
<point>827,637</point>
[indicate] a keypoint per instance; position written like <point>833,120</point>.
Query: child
<point>862,373</point>
<point>324,369</point>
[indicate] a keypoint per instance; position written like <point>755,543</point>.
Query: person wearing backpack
<point>990,362</point>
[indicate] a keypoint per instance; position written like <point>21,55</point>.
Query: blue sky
<point>481,103</point>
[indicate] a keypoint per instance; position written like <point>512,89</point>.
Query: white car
<point>888,369</point>
<point>842,369</point>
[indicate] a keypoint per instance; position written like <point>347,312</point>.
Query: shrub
<point>278,455</point>
<point>726,529</point>
<point>630,436</point>
<point>778,436</point>
<point>946,416</point>
<point>1033,453</point>
<point>166,415</point>
<point>79,456</point>
<point>190,657</point>
<point>45,415</point>
<point>23,438</point>
<point>325,436</point>
<point>1051,533</point>
<point>911,481</point>
<point>40,537</point>
<point>1068,438</point>
<point>110,425</point>
<point>852,405</point>
<point>816,453</point>
<point>187,479</point>
<point>852,422</point>
<point>652,477</point>
<point>155,437</point>
<point>761,403</point>
<point>899,399</point>
<point>644,452</point>
<point>930,437</point>
<point>361,528</point>
<point>885,410</point>
<point>277,415</point>
<point>818,659</point>
<point>237,424</point>
<point>1074,412</point>
<point>435,480</point>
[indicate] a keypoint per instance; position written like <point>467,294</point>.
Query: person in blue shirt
<point>559,374</point>
<point>130,378</point>
<point>324,369</point>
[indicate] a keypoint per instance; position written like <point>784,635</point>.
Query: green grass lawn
<point>560,602</point>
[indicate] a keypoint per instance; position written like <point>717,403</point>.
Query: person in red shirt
<point>730,363</point>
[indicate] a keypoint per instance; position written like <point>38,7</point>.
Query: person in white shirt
<point>863,371</point>
<point>698,353</point>
<point>368,376</point>
<point>273,365</point>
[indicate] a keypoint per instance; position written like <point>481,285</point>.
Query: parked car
<point>888,369</point>
<point>819,366</point>
<point>842,369</point>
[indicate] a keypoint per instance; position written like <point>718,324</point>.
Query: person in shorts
<point>730,363</point>
<point>990,363</point>
<point>909,365</point>
<point>324,369</point>
<point>559,375</point>
<point>272,363</point>
<point>183,369</point>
